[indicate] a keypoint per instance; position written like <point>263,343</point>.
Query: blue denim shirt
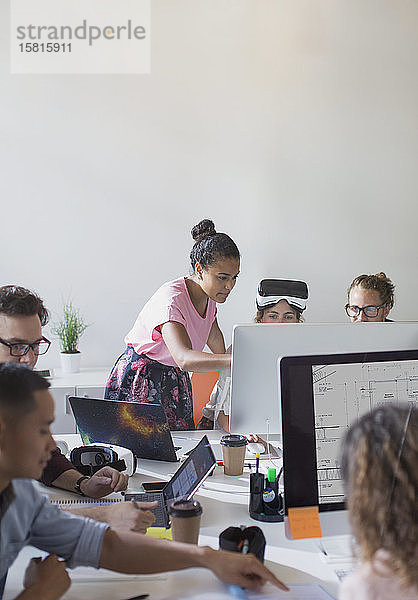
<point>31,520</point>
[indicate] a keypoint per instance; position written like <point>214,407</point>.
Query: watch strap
<point>78,483</point>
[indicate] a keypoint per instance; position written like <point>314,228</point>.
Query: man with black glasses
<point>22,316</point>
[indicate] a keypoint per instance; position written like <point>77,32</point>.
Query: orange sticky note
<point>304,522</point>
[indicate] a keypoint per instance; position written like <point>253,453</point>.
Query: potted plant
<point>69,329</point>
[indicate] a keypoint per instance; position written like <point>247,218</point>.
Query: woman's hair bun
<point>203,229</point>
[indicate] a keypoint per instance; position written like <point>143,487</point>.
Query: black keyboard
<point>160,511</point>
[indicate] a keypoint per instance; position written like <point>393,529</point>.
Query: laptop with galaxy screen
<point>142,427</point>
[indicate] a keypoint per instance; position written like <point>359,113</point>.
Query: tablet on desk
<point>184,483</point>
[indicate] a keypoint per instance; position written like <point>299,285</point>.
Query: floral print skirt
<point>137,378</point>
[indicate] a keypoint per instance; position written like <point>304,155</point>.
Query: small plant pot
<point>70,363</point>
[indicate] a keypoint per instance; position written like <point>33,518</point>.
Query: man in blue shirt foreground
<point>27,518</point>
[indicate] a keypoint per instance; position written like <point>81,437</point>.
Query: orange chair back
<point>202,386</point>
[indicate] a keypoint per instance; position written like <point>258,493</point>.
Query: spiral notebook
<point>83,502</point>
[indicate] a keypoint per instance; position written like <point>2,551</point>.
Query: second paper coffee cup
<point>233,450</point>
<point>185,520</point>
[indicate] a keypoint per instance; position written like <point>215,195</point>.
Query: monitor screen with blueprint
<point>321,396</point>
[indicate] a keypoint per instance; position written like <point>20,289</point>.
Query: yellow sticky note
<point>304,522</point>
<point>159,532</point>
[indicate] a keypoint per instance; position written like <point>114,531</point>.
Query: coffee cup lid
<point>184,508</point>
<point>234,440</point>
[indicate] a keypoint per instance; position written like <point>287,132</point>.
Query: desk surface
<point>225,503</point>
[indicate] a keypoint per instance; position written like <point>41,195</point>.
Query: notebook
<point>185,482</point>
<point>142,427</point>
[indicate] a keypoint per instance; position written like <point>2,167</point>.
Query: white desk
<point>225,503</point>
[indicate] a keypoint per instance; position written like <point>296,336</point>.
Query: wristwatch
<point>78,483</point>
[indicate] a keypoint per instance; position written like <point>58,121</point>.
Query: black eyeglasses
<point>369,311</point>
<point>21,349</point>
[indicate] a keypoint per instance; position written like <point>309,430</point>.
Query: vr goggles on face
<point>271,291</point>
<point>89,459</point>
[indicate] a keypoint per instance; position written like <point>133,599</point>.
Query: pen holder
<point>233,538</point>
<point>266,504</point>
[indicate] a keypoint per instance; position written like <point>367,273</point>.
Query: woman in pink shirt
<point>171,331</point>
<point>380,467</point>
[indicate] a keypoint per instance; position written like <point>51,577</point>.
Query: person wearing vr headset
<point>370,298</point>
<point>278,301</point>
<point>22,316</point>
<point>171,331</point>
<point>379,466</point>
<point>27,517</point>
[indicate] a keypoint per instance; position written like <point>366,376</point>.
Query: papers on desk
<point>340,552</point>
<point>336,549</point>
<point>297,592</point>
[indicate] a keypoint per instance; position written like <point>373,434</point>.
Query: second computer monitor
<point>322,395</point>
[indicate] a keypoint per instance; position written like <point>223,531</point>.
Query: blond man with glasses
<point>370,298</point>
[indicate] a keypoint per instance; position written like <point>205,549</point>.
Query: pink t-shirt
<point>171,302</point>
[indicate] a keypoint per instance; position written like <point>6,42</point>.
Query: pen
<point>135,503</point>
<point>141,597</point>
<point>236,590</point>
<point>257,461</point>
<point>322,549</point>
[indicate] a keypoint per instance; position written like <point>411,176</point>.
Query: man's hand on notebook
<point>121,516</point>
<point>126,516</point>
<point>103,482</point>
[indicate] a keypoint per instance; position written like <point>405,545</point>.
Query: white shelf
<point>95,376</point>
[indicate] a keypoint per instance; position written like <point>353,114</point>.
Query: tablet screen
<point>190,475</point>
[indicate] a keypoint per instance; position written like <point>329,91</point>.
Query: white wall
<point>292,123</point>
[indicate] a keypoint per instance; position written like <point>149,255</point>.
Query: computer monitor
<point>255,399</point>
<point>321,396</point>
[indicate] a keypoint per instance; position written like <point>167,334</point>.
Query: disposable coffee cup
<point>185,520</point>
<point>233,450</point>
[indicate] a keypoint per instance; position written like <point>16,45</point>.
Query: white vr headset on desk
<point>92,457</point>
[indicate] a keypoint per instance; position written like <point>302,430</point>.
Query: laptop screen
<point>190,475</point>
<point>140,426</point>
<point>321,396</point>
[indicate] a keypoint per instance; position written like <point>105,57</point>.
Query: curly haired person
<point>380,468</point>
